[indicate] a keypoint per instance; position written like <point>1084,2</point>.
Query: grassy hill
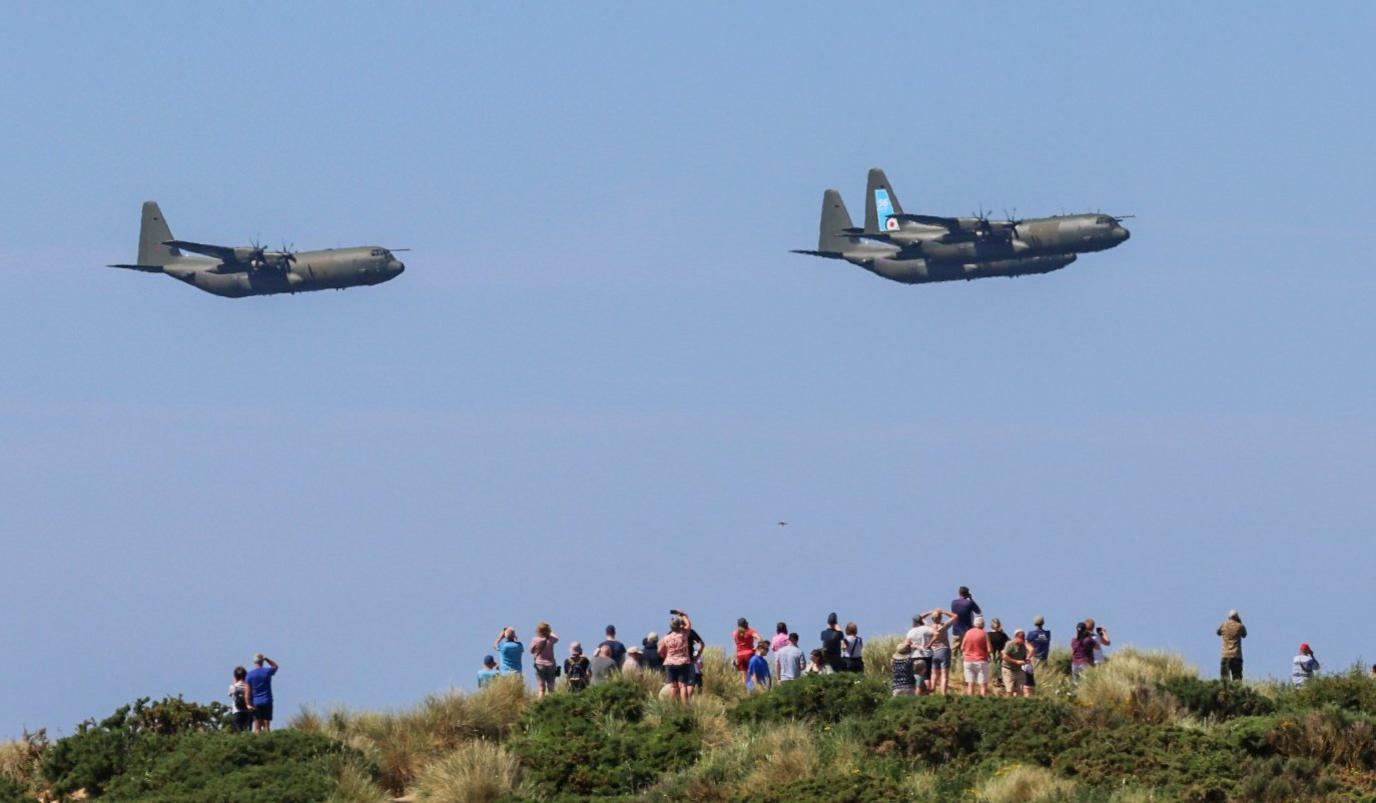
<point>1143,727</point>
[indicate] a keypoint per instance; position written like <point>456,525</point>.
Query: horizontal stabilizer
<point>220,252</point>
<point>145,268</point>
<point>833,254</point>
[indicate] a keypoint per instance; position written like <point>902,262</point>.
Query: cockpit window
<point>377,252</point>
<point>1104,220</point>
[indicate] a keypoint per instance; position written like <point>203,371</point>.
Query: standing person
<point>757,678</point>
<point>817,664</point>
<point>1081,651</point>
<point>853,651</point>
<point>1304,666</point>
<point>963,608</point>
<point>1040,639</point>
<point>921,638</point>
<point>780,639</point>
<point>240,701</point>
<point>1101,641</point>
<point>788,660</point>
<point>975,654</point>
<point>1232,632</point>
<point>677,653</point>
<point>546,670</point>
<point>1018,677</point>
<point>488,672</point>
<point>603,666</point>
<point>697,648</point>
<point>577,668</point>
<point>997,641</point>
<point>618,650</point>
<point>832,641</point>
<point>744,637</point>
<point>941,652</point>
<point>509,651</point>
<point>902,680</point>
<point>259,681</point>
<point>651,645</point>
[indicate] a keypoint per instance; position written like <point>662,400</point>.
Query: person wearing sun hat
<point>577,668</point>
<point>1305,665</point>
<point>902,679</point>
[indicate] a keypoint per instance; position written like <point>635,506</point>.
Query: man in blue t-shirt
<point>259,682</point>
<point>1040,639</point>
<point>509,650</point>
<point>618,650</point>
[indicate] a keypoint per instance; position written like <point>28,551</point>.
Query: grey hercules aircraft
<point>237,271</point>
<point>917,249</point>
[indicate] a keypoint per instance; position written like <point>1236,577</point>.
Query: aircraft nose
<point>1121,234</point>
<point>395,267</point>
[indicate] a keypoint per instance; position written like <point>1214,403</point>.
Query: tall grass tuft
<point>719,677</point>
<point>495,711</point>
<point>477,772</point>
<point>19,759</point>
<point>1129,684</point>
<point>779,755</point>
<point>1019,783</point>
<point>878,652</point>
<point>355,786</point>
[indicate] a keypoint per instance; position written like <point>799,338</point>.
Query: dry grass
<point>477,772</point>
<point>19,758</point>
<point>1019,783</point>
<point>878,653</point>
<point>719,677</point>
<point>778,755</point>
<point>355,786</point>
<point>1127,685</point>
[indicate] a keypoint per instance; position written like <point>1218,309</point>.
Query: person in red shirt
<point>745,638</point>
<point>975,648</point>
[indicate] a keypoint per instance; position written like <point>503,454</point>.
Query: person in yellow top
<point>1232,631</point>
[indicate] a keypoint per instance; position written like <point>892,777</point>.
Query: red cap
<point>1304,648</point>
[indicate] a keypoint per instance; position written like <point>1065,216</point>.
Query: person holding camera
<point>1101,641</point>
<point>1232,631</point>
<point>1305,665</point>
<point>676,650</point>
<point>546,670</point>
<point>509,651</point>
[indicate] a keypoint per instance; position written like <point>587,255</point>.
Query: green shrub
<point>99,751</point>
<point>597,742</point>
<point>279,767</point>
<point>942,729</point>
<point>1190,764</point>
<point>11,790</point>
<point>1216,699</point>
<point>1351,690</point>
<point>817,698</point>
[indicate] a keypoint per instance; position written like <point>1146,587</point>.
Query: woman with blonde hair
<point>546,670</point>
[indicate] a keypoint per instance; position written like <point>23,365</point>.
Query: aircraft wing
<point>220,252</point>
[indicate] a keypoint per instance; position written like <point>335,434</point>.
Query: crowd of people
<point>991,660</point>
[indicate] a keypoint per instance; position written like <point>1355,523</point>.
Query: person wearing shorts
<point>941,654</point>
<point>259,681</point>
<point>676,650</point>
<point>1017,665</point>
<point>975,652</point>
<point>546,669</point>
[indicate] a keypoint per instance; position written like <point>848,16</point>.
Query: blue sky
<point>603,379</point>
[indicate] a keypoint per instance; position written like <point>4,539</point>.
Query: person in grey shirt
<point>789,661</point>
<point>604,666</point>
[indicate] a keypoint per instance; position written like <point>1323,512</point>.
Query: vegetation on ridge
<point>1142,727</point>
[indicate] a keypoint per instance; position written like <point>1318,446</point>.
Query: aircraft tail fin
<point>881,203</point>
<point>153,232</point>
<point>832,238</point>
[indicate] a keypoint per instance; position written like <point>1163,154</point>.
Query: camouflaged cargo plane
<point>917,249</point>
<point>237,271</point>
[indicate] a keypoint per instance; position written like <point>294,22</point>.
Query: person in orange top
<point>745,638</point>
<point>975,648</point>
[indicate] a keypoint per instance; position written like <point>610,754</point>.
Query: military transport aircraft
<point>237,271</point>
<point>916,249</point>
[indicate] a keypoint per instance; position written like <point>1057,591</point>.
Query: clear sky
<point>603,378</point>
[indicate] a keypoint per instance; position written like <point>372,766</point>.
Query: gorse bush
<point>938,730</point>
<point>819,698</point>
<point>1215,699</point>
<point>595,742</point>
<point>1351,690</point>
<point>99,751</point>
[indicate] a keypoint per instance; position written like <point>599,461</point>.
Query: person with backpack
<point>577,668</point>
<point>853,649</point>
<point>240,702</point>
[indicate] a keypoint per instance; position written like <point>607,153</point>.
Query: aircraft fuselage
<point>331,269</point>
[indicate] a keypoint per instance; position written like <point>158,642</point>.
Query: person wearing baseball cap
<point>488,672</point>
<point>1305,665</point>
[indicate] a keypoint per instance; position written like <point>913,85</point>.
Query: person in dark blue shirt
<point>618,650</point>
<point>1040,639</point>
<point>259,682</point>
<point>965,608</point>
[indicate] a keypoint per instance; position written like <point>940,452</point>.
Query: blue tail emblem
<point>884,208</point>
